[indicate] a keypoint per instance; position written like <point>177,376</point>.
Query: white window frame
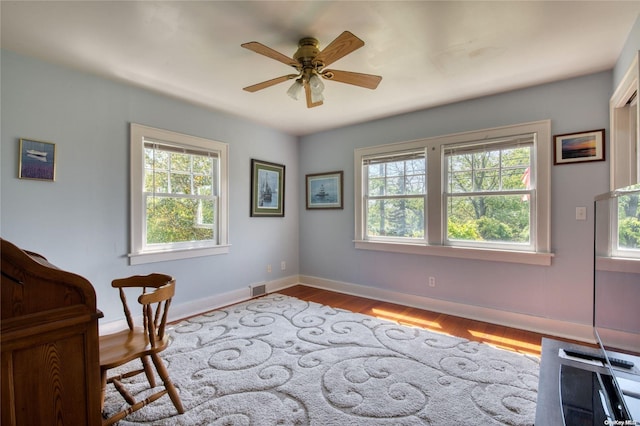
<point>615,249</point>
<point>492,145</point>
<point>140,253</point>
<point>369,197</point>
<point>435,243</point>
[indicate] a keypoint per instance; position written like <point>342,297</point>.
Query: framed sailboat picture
<point>324,190</point>
<point>267,188</point>
<point>37,160</point>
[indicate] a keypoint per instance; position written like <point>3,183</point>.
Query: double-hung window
<point>481,195</point>
<point>489,193</point>
<point>617,230</point>
<point>396,195</point>
<point>179,196</point>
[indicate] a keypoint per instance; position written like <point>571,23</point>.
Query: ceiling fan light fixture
<point>309,62</point>
<point>316,87</point>
<point>316,97</point>
<point>316,84</point>
<point>295,90</point>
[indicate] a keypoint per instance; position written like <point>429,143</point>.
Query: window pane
<point>459,163</point>
<point>160,159</point>
<point>484,160</point>
<point>157,182</point>
<point>516,157</point>
<point>516,178</point>
<point>375,170</point>
<point>376,186</point>
<point>498,170</point>
<point>415,167</point>
<point>202,164</point>
<point>396,218</point>
<point>173,220</point>
<point>203,185</point>
<point>500,218</point>
<point>180,183</point>
<point>180,162</point>
<point>397,178</point>
<point>395,168</point>
<point>394,186</point>
<point>487,180</point>
<point>415,184</point>
<point>628,222</point>
<point>460,181</point>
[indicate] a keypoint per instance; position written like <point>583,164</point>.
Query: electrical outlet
<point>283,265</point>
<point>269,268</point>
<point>432,281</point>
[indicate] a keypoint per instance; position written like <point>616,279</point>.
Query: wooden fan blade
<point>344,44</point>
<point>310,104</point>
<point>270,53</point>
<point>269,83</point>
<point>368,81</point>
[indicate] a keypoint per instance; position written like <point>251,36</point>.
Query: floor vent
<point>258,290</point>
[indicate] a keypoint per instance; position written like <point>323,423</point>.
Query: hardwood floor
<point>496,335</point>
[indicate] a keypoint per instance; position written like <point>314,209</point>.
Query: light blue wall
<point>81,221</point>
<point>629,51</point>
<point>562,291</point>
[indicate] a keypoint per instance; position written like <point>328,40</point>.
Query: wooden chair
<point>143,343</point>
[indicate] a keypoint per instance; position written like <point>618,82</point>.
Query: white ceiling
<point>429,53</point>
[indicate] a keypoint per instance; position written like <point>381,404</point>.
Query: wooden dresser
<point>49,343</point>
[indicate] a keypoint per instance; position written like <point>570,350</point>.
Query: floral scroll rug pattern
<point>279,360</point>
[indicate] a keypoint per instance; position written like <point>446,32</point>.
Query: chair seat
<point>119,348</point>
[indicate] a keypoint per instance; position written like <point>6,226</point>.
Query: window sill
<point>166,255</point>
<point>618,264</point>
<point>530,258</point>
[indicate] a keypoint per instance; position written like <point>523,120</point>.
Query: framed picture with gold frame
<point>267,189</point>
<point>37,160</point>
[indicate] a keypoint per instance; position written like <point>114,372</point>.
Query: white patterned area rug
<point>279,360</point>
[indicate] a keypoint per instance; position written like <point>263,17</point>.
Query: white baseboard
<point>181,311</point>
<point>562,329</point>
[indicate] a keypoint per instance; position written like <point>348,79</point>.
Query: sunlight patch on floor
<point>404,319</point>
<point>507,343</point>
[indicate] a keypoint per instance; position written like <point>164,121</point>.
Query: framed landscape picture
<point>267,188</point>
<point>324,190</point>
<point>37,160</point>
<point>579,147</point>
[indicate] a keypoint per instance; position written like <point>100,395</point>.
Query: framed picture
<point>37,160</point>
<point>324,190</point>
<point>579,147</point>
<point>267,188</point>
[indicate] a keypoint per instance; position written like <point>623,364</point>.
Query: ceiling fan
<point>310,63</point>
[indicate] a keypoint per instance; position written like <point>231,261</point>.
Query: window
<point>179,196</point>
<point>396,195</point>
<point>626,238</point>
<point>488,193</point>
<point>482,195</point>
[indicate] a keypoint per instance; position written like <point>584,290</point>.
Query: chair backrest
<point>157,292</point>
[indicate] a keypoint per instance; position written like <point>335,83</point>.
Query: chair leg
<point>103,379</point>
<point>168,384</point>
<point>148,371</point>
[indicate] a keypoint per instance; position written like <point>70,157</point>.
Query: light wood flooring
<point>503,337</point>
